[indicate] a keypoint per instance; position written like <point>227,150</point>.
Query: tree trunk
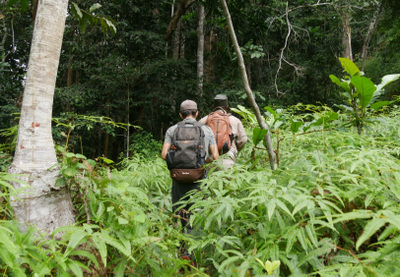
<point>200,51</point>
<point>346,39</point>
<point>209,61</point>
<point>371,30</point>
<point>41,204</point>
<point>184,5</point>
<point>176,42</point>
<point>242,67</point>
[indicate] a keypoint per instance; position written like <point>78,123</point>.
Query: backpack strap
<point>185,124</point>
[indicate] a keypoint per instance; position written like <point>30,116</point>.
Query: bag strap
<point>224,113</point>
<point>183,124</point>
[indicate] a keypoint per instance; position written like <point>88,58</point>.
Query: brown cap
<point>221,100</point>
<point>188,105</point>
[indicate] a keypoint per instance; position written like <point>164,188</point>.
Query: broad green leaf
<point>365,88</point>
<point>76,10</point>
<point>380,104</point>
<point>387,79</point>
<point>371,228</point>
<point>69,155</point>
<point>295,125</point>
<point>69,171</point>
<point>108,161</point>
<point>122,221</point>
<point>94,7</point>
<point>271,111</point>
<point>91,162</point>
<point>83,22</point>
<point>258,135</point>
<point>349,66</point>
<point>80,156</point>
<point>344,85</point>
<point>111,25</point>
<point>104,26</point>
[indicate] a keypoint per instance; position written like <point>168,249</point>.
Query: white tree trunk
<point>263,125</point>
<point>200,50</point>
<point>42,204</point>
<point>346,39</point>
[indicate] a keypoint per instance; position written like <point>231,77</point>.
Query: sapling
<point>360,93</point>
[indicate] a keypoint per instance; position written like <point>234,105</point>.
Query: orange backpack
<point>220,124</point>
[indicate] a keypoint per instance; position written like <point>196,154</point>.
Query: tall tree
<point>200,49</point>
<point>41,203</point>
<point>249,93</point>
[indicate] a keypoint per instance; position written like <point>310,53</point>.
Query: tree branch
<point>184,5</point>
<point>282,50</point>
<point>250,96</point>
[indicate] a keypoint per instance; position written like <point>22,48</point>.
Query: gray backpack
<point>186,156</point>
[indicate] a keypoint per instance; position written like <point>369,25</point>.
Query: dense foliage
<point>330,209</point>
<point>135,76</point>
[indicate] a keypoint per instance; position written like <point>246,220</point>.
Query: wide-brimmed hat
<point>188,105</point>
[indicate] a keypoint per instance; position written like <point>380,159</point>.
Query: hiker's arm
<point>241,138</point>
<point>164,151</point>
<point>213,150</point>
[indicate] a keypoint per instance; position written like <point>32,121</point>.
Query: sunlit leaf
<point>94,7</point>
<point>349,66</point>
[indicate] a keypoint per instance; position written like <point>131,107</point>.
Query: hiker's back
<point>220,124</point>
<point>187,155</point>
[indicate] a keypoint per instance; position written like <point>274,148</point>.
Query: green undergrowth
<point>330,209</point>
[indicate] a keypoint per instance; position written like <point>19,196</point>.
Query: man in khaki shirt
<point>239,134</point>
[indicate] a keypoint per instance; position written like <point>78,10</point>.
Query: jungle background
<point>330,209</point>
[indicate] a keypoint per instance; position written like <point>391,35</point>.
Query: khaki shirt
<point>239,135</point>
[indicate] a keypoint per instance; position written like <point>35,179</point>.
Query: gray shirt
<point>208,133</point>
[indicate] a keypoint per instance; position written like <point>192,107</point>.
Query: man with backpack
<point>228,130</point>
<point>187,147</point>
